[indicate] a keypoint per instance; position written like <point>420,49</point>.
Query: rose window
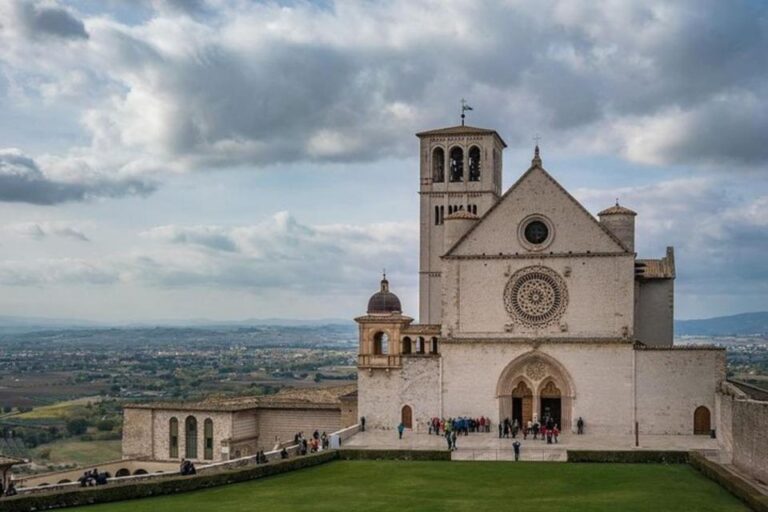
<point>536,296</point>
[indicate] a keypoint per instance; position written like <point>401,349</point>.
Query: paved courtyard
<point>488,446</point>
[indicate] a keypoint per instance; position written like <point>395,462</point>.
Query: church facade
<point>529,306</point>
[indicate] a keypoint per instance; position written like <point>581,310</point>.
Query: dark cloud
<point>47,20</point>
<point>21,180</point>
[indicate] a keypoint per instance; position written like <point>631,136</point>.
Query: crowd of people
<point>93,477</point>
<point>461,425</point>
<point>314,444</point>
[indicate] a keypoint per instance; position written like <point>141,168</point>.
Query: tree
<point>105,425</point>
<point>7,408</point>
<point>77,426</point>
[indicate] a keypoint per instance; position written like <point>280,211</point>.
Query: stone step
<point>526,454</point>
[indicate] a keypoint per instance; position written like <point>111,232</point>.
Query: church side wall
<point>672,383</point>
<point>600,297</point>
<point>472,371</point>
<point>137,433</point>
<point>654,324</point>
<point>382,394</point>
<point>280,425</point>
<point>750,437</point>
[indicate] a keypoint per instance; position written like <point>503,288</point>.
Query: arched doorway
<point>550,403</point>
<point>701,421</point>
<point>522,404</point>
<point>406,416</point>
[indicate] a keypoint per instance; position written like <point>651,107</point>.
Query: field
<point>457,487</point>
<point>82,453</point>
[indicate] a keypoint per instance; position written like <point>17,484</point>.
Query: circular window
<point>536,296</point>
<point>536,232</point>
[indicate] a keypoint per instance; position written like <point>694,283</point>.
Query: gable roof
<point>462,130</point>
<point>535,167</point>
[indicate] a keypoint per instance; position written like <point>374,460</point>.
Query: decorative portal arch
<point>548,383</point>
<point>701,421</point>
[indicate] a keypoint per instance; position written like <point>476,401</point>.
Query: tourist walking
<point>516,447</point>
<point>362,423</point>
<point>453,440</point>
<point>400,429</point>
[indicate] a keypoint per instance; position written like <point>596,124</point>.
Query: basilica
<point>530,305</point>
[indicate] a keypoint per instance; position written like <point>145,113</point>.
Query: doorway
<point>551,404</point>
<point>701,421</point>
<point>406,416</point>
<point>522,404</point>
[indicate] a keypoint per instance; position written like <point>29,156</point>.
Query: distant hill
<point>734,325</point>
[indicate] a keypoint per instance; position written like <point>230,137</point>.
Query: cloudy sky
<point>175,159</point>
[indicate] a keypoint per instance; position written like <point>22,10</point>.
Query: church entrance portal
<point>550,403</point>
<point>522,404</point>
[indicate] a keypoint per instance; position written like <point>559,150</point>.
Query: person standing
<point>500,429</point>
<point>580,426</point>
<point>453,439</point>
<point>400,429</point>
<point>362,423</point>
<point>516,447</point>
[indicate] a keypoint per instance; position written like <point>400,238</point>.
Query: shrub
<point>77,426</point>
<point>354,454</point>
<point>628,456</point>
<point>105,425</point>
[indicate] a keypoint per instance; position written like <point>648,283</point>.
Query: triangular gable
<point>537,192</point>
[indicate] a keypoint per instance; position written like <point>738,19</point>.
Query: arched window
<point>381,343</point>
<point>173,438</point>
<point>438,165</point>
<point>701,421</point>
<point>208,439</point>
<point>457,164</point>
<point>474,163</point>
<point>420,346</point>
<point>190,431</point>
<point>406,345</point>
<point>433,348</point>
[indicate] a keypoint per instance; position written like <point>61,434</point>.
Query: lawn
<point>457,487</point>
<point>82,453</point>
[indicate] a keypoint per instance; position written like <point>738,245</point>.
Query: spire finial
<point>536,162</point>
<point>384,282</point>
<point>617,201</point>
<point>464,108</point>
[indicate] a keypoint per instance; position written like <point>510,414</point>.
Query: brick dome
<point>384,302</point>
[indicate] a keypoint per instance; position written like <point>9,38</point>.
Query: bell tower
<point>460,170</point>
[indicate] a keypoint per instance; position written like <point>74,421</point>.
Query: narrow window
<point>437,215</point>
<point>190,430</point>
<point>442,214</point>
<point>208,436</point>
<point>474,163</point>
<point>438,165</point>
<point>457,164</point>
<point>433,348</point>
<point>381,344</point>
<point>173,438</point>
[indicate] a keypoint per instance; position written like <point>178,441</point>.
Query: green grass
<point>370,486</point>
<point>59,410</point>
<point>82,453</point>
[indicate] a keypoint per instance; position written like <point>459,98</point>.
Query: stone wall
<point>750,437</point>
<point>280,425</point>
<point>654,304</point>
<point>672,383</point>
<point>137,433</point>
<point>383,393</point>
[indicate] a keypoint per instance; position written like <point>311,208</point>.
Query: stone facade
<point>532,307</point>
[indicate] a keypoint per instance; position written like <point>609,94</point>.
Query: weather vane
<point>464,108</point>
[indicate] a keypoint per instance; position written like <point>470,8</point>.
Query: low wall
<point>127,489</point>
<point>113,467</point>
<point>736,485</point>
